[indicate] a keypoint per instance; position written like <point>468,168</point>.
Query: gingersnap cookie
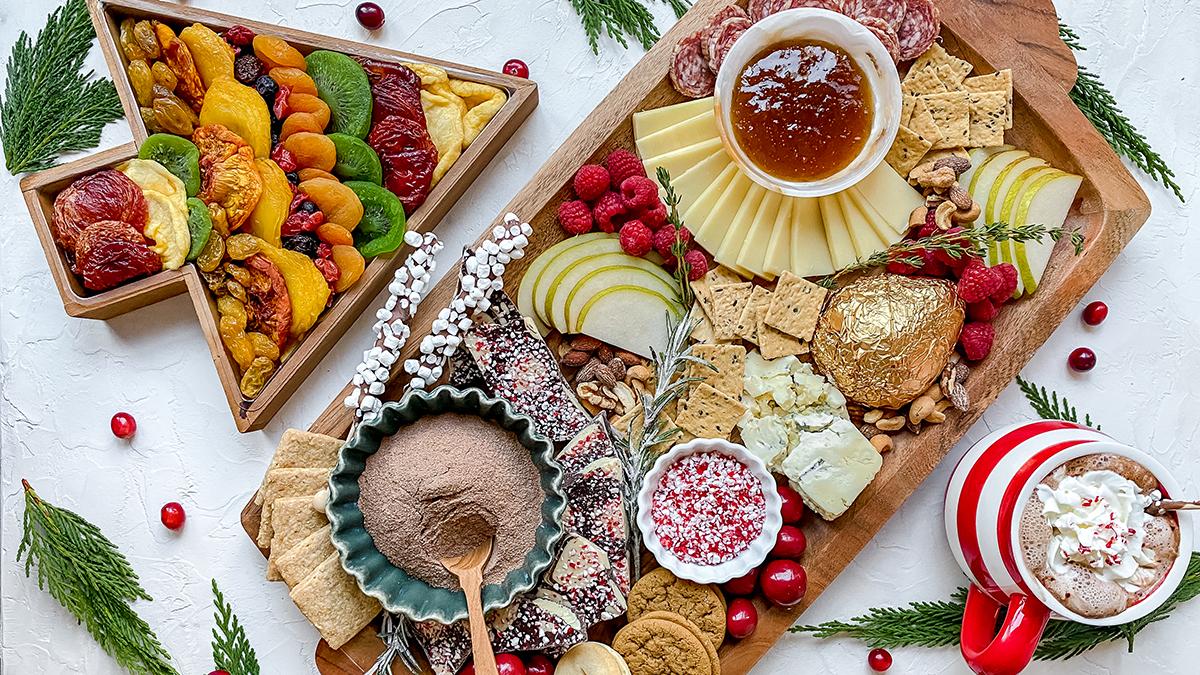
<point>661,647</point>
<point>592,658</point>
<point>701,604</point>
<point>675,618</point>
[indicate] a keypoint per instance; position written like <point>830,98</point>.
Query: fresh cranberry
<point>784,582</point>
<point>123,425</point>
<point>793,505</point>
<point>741,619</point>
<point>790,543</point>
<point>370,15</point>
<point>219,672</point>
<point>539,664</point>
<point>743,585</point>
<point>879,660</point>
<point>468,669</point>
<point>1082,359</point>
<point>516,68</point>
<point>509,664</point>
<point>1095,313</point>
<point>172,515</point>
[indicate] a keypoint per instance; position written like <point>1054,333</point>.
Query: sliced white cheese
<point>709,231</point>
<point>779,247</point>
<point>692,183</point>
<point>810,249</point>
<point>688,132</point>
<point>752,254</point>
<point>830,468</point>
<point>646,122</point>
<point>889,196</point>
<point>837,233</point>
<point>739,228</point>
<point>678,161</point>
<point>706,201</point>
<point>864,237</point>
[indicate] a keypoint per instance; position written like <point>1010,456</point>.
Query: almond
<point>629,358</point>
<point>617,366</point>
<point>575,358</point>
<point>585,343</point>
<point>604,353</point>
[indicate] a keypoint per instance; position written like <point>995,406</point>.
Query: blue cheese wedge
<point>831,467</point>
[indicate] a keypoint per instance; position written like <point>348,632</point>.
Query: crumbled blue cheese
<point>831,467</point>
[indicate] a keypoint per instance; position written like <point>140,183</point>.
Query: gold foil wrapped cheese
<point>884,339</point>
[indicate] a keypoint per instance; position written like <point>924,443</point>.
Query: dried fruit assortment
<point>278,174</point>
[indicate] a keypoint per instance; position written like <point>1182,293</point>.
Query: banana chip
<point>456,111</point>
<point>483,102</point>
<point>444,119</point>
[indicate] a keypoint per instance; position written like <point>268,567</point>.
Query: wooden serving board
<point>41,188</point>
<point>1110,209</point>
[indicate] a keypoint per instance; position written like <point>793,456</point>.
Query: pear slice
<point>810,249</point>
<point>525,300</point>
<point>630,317</point>
<point>1047,200</point>
<point>985,174</point>
<point>977,157</point>
<point>1007,210</point>
<point>552,274</point>
<point>603,271</point>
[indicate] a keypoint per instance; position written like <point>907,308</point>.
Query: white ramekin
<point>745,561</point>
<point>866,50</point>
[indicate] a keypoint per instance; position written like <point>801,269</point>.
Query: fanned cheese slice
<point>890,197</point>
<point>693,182</point>
<point>679,161</point>
<point>864,237</point>
<point>739,227</point>
<point>688,132</point>
<point>752,254</point>
<point>709,230</point>
<point>779,246</point>
<point>647,122</point>
<point>837,235</point>
<point>810,255</point>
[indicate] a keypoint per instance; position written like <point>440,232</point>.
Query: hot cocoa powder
<point>439,487</point>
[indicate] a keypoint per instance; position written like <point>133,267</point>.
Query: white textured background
<point>63,378</point>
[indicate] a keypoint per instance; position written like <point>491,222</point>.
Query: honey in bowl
<point>802,110</point>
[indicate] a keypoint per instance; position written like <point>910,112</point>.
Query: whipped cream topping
<point>1099,522</point>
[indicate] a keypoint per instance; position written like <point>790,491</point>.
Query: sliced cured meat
<point>919,29</point>
<point>890,11</point>
<point>886,35</point>
<point>759,9</point>
<point>104,195</point>
<point>689,70</point>
<point>726,35</point>
<point>831,5</point>
<point>709,32</point>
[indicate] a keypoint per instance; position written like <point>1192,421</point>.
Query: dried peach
<point>307,103</point>
<point>312,150</point>
<point>275,52</point>
<point>334,235</point>
<point>241,110</point>
<point>295,78</point>
<point>298,122</point>
<point>350,263</point>
<point>338,202</point>
<point>310,173</point>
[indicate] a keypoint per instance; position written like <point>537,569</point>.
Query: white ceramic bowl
<point>745,561</point>
<point>866,50</point>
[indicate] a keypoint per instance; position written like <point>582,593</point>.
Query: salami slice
<point>689,69</point>
<point>886,35</point>
<point>727,33</point>
<point>759,9</point>
<point>919,29</point>
<point>890,11</point>
<point>831,5</point>
<point>710,34</point>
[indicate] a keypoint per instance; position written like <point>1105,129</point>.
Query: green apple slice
<point>525,299</point>
<point>594,275</point>
<point>1047,201</point>
<point>632,318</point>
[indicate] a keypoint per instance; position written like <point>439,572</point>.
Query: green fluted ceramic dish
<point>396,590</point>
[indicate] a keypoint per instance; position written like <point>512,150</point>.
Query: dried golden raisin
<point>307,103</point>
<point>312,150</point>
<point>141,79</point>
<point>298,122</point>
<point>274,53</point>
<point>228,306</point>
<point>295,78</point>
<point>338,202</point>
<point>256,376</point>
<point>212,253</point>
<point>240,274</point>
<point>146,40</point>
<point>129,46</point>
<point>231,325</point>
<point>240,349</point>
<point>177,56</point>
<point>334,234</point>
<point>164,75</point>
<point>350,265</point>
<point>172,114</point>
<point>242,246</point>
<point>263,345</point>
<point>215,282</point>
<point>236,290</point>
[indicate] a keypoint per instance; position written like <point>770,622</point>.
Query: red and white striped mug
<point>984,501</point>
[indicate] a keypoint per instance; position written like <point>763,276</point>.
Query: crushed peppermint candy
<point>707,508</point>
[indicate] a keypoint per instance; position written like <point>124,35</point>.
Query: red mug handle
<point>1007,651</point>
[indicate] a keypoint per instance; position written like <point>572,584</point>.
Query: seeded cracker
<point>721,275</point>
<point>923,124</point>
<point>908,102</point>
<point>710,413</point>
<point>987,118</point>
<point>952,113</point>
<point>282,483</point>
<point>728,301</point>
<point>703,332</point>
<point>329,598</point>
<point>998,81</point>
<point>292,519</point>
<point>920,81</point>
<point>730,363</point>
<point>305,557</point>
<point>747,327</point>
<point>303,450</point>
<point>796,306</point>
<point>907,151</point>
<point>773,343</point>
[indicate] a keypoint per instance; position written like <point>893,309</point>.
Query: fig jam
<point>802,110</point>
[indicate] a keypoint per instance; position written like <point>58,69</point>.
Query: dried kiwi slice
<point>344,87</point>
<point>356,160</point>
<point>199,224</point>
<point>382,227</point>
<point>178,155</point>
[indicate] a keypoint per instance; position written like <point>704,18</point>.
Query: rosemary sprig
<point>620,19</point>
<point>89,576</point>
<point>49,108</point>
<point>230,647</point>
<point>1100,107</point>
<point>1048,406</point>
<point>679,248</point>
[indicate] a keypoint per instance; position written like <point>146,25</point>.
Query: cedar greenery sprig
<point>89,576</point>
<point>1049,406</point>
<point>1100,107</point>
<point>231,648</point>
<point>49,108</point>
<point>620,19</point>
<point>679,248</point>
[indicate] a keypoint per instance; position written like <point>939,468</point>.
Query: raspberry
<point>930,227</point>
<point>636,238</point>
<point>591,181</point>
<point>963,242</point>
<point>1008,283</point>
<point>697,264</point>
<point>977,282</point>
<point>575,217</point>
<point>654,217</point>
<point>957,265</point>
<point>984,310</point>
<point>622,164</point>
<point>897,266</point>
<point>608,209</point>
<point>639,192</point>
<point>976,340</point>
<point>933,266</point>
<point>666,237</point>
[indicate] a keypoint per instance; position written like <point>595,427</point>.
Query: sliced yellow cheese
<point>738,229</point>
<point>756,244</point>
<point>810,248</point>
<point>837,234</point>
<point>710,230</point>
<point>693,182</point>
<point>678,161</point>
<point>889,195</point>
<point>866,241</point>
<point>779,247</point>
<point>695,214</point>
<point>688,132</point>
<point>646,122</point>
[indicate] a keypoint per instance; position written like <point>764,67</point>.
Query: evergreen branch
<point>1048,406</point>
<point>1100,107</point>
<point>85,572</point>
<point>230,647</point>
<point>618,19</point>
<point>682,269</point>
<point>49,107</point>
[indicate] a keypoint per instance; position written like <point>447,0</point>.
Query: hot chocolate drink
<point>1087,538</point>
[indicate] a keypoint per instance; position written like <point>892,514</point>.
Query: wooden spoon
<point>469,570</point>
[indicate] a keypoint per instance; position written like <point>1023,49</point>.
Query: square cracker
<point>998,81</point>
<point>747,326</point>
<point>907,151</point>
<point>730,364</point>
<point>773,343</point>
<point>709,413</point>
<point>286,483</point>
<point>796,306</point>
<point>303,450</point>
<point>921,121</point>
<point>304,557</point>
<point>728,302</point>
<point>907,103</point>
<point>952,113</point>
<point>702,289</point>
<point>722,275</point>
<point>924,80</point>
<point>329,598</point>
<point>955,71</point>
<point>703,332</point>
<point>987,118</point>
<point>292,519</point>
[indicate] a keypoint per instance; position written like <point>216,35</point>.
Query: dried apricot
<point>334,234</point>
<point>211,53</point>
<point>268,215</point>
<point>298,122</point>
<point>256,376</point>
<point>312,150</point>
<point>241,110</point>
<point>274,52</point>
<point>295,78</point>
<point>164,75</point>
<point>242,246</point>
<point>263,345</point>
<point>351,264</point>
<point>212,253</point>
<point>309,173</point>
<point>141,79</point>
<point>339,203</point>
<point>307,103</point>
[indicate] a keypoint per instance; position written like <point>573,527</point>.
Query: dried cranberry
<point>324,250</point>
<point>302,222</point>
<point>266,88</point>
<point>304,242</point>
<point>329,269</point>
<point>280,107</point>
<point>286,161</point>
<point>298,198</point>
<point>247,68</point>
<point>239,36</point>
